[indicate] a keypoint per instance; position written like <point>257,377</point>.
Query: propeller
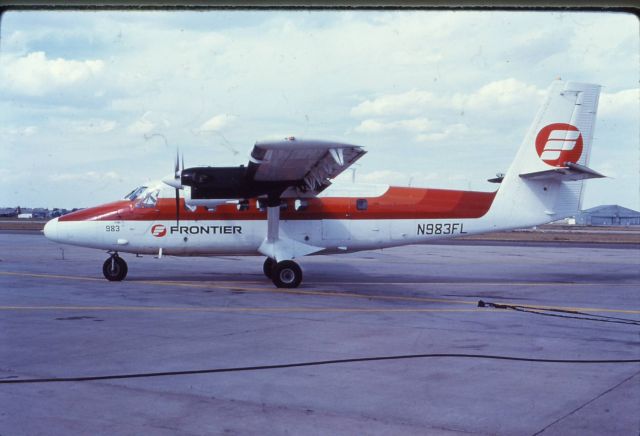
<point>176,177</point>
<point>175,182</point>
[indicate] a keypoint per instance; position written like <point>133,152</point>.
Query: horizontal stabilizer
<point>571,171</point>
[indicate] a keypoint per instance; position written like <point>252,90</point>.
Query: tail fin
<point>544,182</point>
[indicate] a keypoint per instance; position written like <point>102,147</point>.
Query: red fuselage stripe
<point>396,203</point>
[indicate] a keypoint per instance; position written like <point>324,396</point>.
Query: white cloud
<point>453,131</point>
<point>410,102</point>
<point>89,176</point>
<point>506,93</point>
<point>142,126</point>
<point>94,126</point>
<point>411,125</point>
<point>20,131</point>
<point>29,131</point>
<point>397,178</point>
<point>35,75</point>
<point>623,104</point>
<point>217,122</point>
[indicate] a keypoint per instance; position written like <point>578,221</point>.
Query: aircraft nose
<point>51,229</point>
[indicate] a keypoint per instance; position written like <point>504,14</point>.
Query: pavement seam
<point>611,389</point>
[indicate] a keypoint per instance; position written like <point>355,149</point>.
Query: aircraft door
<point>364,226</point>
<point>337,229</point>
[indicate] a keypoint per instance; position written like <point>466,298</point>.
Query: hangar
<point>608,215</point>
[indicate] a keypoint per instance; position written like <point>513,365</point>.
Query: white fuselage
<point>244,237</point>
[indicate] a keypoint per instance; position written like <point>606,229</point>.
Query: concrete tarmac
<point>60,318</point>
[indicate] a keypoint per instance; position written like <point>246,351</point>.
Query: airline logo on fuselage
<point>159,230</point>
<point>559,143</point>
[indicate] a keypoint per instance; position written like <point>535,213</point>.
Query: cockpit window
<point>149,199</point>
<point>135,193</point>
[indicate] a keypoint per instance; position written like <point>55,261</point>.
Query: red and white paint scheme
<point>281,205</point>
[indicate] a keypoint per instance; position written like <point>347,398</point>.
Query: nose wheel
<point>286,274</point>
<point>115,268</point>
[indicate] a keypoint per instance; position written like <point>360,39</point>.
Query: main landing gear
<point>115,268</point>
<point>284,274</point>
<point>267,268</point>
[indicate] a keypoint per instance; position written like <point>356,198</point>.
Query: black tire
<point>115,269</point>
<point>286,274</point>
<point>267,268</point>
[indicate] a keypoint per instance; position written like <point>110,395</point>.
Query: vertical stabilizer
<point>544,182</point>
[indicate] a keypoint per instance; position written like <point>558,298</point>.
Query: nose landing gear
<point>115,268</point>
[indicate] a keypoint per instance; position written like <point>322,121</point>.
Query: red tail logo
<point>559,143</point>
<point>158,230</point>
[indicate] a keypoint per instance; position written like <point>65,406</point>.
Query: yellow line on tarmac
<point>226,309</point>
<point>50,276</point>
<point>209,285</point>
<point>226,287</point>
<point>635,285</point>
<point>256,282</point>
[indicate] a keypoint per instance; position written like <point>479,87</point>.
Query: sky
<point>93,104</point>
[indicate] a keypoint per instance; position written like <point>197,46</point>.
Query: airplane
<point>282,204</point>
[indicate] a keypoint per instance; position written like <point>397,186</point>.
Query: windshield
<point>135,193</point>
<point>149,198</point>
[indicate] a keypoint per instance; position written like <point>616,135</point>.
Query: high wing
<point>276,169</point>
<point>306,165</point>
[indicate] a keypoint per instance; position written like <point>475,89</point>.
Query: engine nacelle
<point>229,183</point>
<point>206,202</point>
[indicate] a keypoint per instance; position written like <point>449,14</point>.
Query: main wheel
<point>267,268</point>
<point>115,269</point>
<point>286,274</point>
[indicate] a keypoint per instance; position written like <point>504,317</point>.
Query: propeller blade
<point>177,182</point>
<point>177,207</point>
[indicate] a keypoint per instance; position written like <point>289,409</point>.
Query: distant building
<point>8,212</point>
<point>40,212</point>
<point>608,215</point>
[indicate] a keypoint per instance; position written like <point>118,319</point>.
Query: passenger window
<point>300,204</point>
<point>361,204</point>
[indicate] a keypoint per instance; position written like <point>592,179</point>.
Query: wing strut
<point>279,247</point>
<point>273,220</point>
